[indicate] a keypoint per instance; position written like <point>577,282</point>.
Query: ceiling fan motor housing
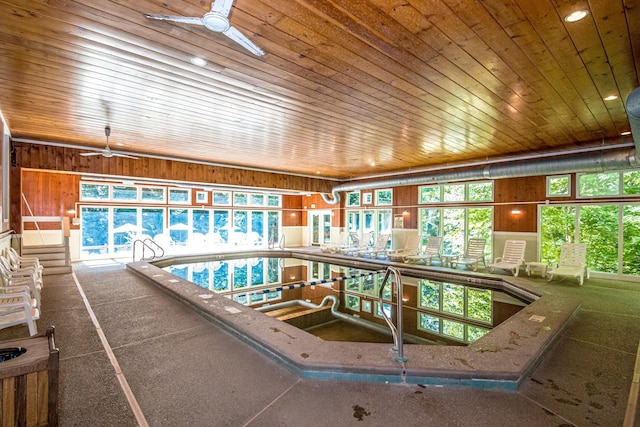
<point>215,22</point>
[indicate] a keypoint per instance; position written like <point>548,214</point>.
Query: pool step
<point>303,317</point>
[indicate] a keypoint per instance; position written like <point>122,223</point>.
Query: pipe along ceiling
<point>598,161</point>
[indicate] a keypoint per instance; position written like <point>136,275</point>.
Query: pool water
<point>435,311</point>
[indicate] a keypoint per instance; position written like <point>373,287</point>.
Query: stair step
<point>301,313</point>
<point>48,271</point>
<point>43,249</point>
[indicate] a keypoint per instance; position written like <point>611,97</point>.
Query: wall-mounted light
<point>405,213</point>
<point>293,214</point>
<point>516,211</point>
<point>405,299</point>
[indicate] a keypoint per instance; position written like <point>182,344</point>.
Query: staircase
<point>54,259</point>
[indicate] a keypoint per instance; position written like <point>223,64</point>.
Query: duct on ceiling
<point>592,162</point>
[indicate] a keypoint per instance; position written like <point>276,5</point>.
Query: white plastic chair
<point>378,249</point>
<point>572,263</point>
<point>432,250</point>
<point>473,255</point>
<point>16,309</point>
<point>512,257</point>
<point>411,247</point>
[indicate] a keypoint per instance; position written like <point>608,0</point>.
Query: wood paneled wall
<point>35,156</point>
<point>523,194</point>
<point>45,194</point>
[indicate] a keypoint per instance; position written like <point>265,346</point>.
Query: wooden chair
<point>512,257</point>
<point>433,249</point>
<point>473,255</point>
<point>411,247</point>
<point>573,262</point>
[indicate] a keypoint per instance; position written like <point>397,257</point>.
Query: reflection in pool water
<point>434,310</point>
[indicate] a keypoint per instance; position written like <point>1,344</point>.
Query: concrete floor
<point>182,370</point>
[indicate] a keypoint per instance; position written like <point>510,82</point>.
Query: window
<point>257,200</point>
<point>179,196</point>
<point>367,199</point>
<point>152,194</point>
<point>429,194</point>
<point>240,199</point>
<point>558,186</point>
<point>221,198</point>
<point>353,199</point>
<point>274,201</point>
<point>125,193</point>
<point>202,197</point>
<point>456,226</point>
<point>454,193</point>
<point>480,191</point>
<point>94,191</point>
<point>610,231</point>
<point>384,197</point>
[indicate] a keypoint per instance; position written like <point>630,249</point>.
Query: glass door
<point>320,227</point>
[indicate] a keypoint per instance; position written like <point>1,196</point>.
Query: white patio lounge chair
<point>352,246</point>
<point>18,261</point>
<point>573,262</point>
<point>432,250</point>
<point>411,247</point>
<point>16,309</point>
<point>512,257</point>
<point>12,282</point>
<point>473,255</point>
<point>379,248</point>
<point>335,245</point>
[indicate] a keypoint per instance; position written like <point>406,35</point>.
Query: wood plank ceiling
<point>345,89</point>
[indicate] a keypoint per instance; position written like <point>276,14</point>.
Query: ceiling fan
<point>217,21</point>
<point>106,152</point>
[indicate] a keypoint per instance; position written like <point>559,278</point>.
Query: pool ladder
<point>147,244</point>
<point>396,330</point>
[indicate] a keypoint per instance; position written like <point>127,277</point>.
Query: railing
<point>396,330</point>
<point>147,243</point>
<point>281,243</point>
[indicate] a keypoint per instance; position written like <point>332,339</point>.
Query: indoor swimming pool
<point>489,331</point>
<point>295,291</point>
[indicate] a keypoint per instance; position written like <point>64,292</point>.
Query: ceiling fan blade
<point>90,154</point>
<point>234,34</point>
<point>126,156</point>
<point>180,19</point>
<point>222,7</point>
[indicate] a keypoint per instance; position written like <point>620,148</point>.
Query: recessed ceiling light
<point>372,163</point>
<point>576,16</point>
<point>199,61</point>
<point>611,97</point>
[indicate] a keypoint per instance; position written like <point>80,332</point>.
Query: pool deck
<point>499,360</point>
<point>180,368</point>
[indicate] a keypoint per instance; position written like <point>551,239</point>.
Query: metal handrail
<point>397,337</point>
<point>281,243</point>
<point>145,244</point>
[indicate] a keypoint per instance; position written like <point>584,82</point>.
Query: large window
<point>110,230</point>
<point>606,184</point>
<point>610,230</point>
<point>457,226</point>
<point>369,223</point>
<point>449,193</point>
